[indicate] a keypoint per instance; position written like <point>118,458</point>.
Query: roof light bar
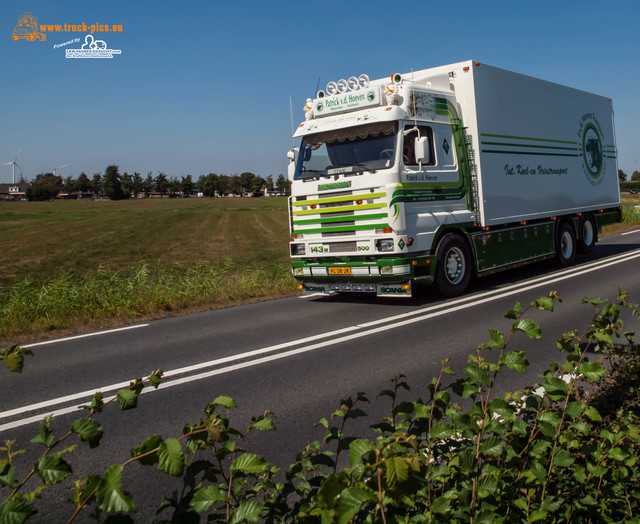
<point>342,86</point>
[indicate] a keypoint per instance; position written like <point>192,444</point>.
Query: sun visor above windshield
<point>347,120</point>
<point>353,133</point>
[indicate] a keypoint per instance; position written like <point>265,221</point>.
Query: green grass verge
<point>76,265</point>
<point>75,302</point>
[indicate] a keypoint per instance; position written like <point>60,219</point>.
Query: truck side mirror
<point>422,150</point>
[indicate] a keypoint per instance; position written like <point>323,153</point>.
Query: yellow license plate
<point>338,270</point>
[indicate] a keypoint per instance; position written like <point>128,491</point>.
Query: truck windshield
<point>352,150</point>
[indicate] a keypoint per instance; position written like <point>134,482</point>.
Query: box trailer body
<point>445,173</point>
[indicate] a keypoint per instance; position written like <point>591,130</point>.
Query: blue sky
<point>204,87</point>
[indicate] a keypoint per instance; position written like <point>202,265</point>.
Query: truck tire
<point>588,233</point>
<point>566,244</point>
<point>453,266</point>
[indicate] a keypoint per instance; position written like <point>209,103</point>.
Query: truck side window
<point>408,153</point>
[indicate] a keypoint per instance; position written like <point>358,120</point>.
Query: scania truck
<point>441,175</point>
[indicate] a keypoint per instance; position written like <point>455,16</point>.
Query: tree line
<point>116,186</point>
<point>622,176</point>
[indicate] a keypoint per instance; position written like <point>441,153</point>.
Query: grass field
<point>73,265</point>
<point>69,266</point>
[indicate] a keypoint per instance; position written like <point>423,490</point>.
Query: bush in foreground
<point>558,452</point>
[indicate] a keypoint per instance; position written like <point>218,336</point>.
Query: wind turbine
<point>13,167</point>
<point>59,167</point>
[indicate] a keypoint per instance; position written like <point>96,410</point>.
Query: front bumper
<point>385,277</point>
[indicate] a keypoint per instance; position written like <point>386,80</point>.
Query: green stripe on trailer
<point>529,138</point>
<point>533,153</point>
<point>530,146</point>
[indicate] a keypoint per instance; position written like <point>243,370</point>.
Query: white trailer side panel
<point>541,149</point>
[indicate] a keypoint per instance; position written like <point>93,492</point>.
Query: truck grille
<point>342,247</point>
<point>355,214</point>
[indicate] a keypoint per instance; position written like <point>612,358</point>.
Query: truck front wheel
<point>566,244</point>
<point>453,266</point>
<point>588,234</point>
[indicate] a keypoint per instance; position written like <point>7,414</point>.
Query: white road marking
<point>630,232</point>
<point>85,335</point>
<point>381,325</point>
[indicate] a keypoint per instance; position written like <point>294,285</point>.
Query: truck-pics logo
<point>27,29</point>
<point>591,140</point>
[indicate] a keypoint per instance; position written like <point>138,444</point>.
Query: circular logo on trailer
<point>320,107</point>
<point>592,145</point>
<point>371,96</point>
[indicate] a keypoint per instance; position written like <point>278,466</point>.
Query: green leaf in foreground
<point>515,360</point>
<point>7,474</point>
<point>477,375</point>
<point>13,358</point>
<point>155,378</point>
<point>16,510</point>
<point>149,445</point>
<point>528,327</point>
<point>204,498</point>
<point>497,339</point>
<point>358,448</point>
<point>591,371</point>
<point>248,511</point>
<point>127,398</point>
<point>170,457</point>
<point>350,502</point>
<point>45,435</point>
<point>97,403</point>
<point>264,424</point>
<point>224,401</point>
<point>52,469</point>
<point>89,431</point>
<point>396,470</point>
<point>110,495</point>
<point>249,463</point>
<point>543,303</point>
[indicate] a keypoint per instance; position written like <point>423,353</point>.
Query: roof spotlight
<point>353,83</point>
<point>363,80</point>
<point>343,87</point>
<point>332,88</point>
<point>320,94</point>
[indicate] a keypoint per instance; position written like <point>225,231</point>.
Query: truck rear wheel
<point>566,244</point>
<point>453,267</point>
<point>588,234</point>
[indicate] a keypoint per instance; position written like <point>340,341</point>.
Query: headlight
<point>297,249</point>
<point>385,244</point>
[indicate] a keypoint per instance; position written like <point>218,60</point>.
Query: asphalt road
<point>296,357</point>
